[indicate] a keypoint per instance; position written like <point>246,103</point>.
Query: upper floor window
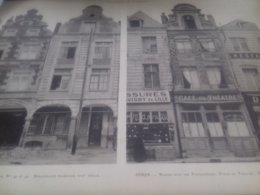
<point>239,44</point>
<point>33,32</point>
<point>19,80</point>
<point>99,79</point>
<point>60,80</point>
<point>29,51</point>
<point>189,22</point>
<point>151,76</point>
<point>183,46</point>
<point>215,77</point>
<point>135,23</point>
<point>207,45</point>
<point>191,78</point>
<point>10,32</point>
<point>252,78</point>
<point>102,53</point>
<point>67,52</point>
<point>149,44</point>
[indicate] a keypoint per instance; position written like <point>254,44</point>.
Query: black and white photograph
<point>193,82</point>
<point>59,77</point>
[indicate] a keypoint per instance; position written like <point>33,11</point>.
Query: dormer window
<point>189,22</point>
<point>135,23</point>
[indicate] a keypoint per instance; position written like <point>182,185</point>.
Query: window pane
<point>149,44</point>
<point>164,116</point>
<point>135,117</point>
<point>56,81</point>
<point>146,117</point>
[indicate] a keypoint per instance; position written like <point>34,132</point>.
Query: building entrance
<point>11,126</point>
<point>95,129</point>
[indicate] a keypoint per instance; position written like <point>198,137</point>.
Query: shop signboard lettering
<point>253,99</point>
<point>135,97</point>
<point>202,98</point>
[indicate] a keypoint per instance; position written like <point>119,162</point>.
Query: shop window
<point>60,80</point>
<point>164,117</point>
<point>135,23</point>
<point>146,118</point>
<point>155,117</point>
<point>135,116</point>
<point>19,80</point>
<point>184,46</point>
<point>149,44</point>
<point>192,124</point>
<point>207,45</point>
<point>99,80</point>
<point>239,44</point>
<point>29,51</point>
<point>151,76</point>
<point>252,78</point>
<point>103,53</point>
<point>191,78</point>
<point>189,22</point>
<point>236,126</point>
<point>214,125</point>
<point>49,123</point>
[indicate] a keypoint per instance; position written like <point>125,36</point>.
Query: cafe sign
<point>206,98</point>
<point>136,97</point>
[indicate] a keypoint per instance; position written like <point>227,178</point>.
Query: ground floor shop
<point>215,126</point>
<point>151,132</point>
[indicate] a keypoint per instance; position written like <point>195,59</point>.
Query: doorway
<point>95,129</point>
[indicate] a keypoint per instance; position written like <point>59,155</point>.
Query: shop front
<point>150,121</point>
<point>253,105</point>
<point>215,126</point>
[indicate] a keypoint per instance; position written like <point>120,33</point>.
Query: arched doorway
<point>11,125</point>
<point>96,127</point>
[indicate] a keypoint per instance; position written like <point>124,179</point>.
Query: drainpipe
<point>75,137</point>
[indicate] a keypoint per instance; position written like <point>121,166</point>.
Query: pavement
<point>37,156</point>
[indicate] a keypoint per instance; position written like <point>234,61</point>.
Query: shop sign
<point>136,97</point>
<point>253,99</point>
<point>204,98</point>
<point>245,55</point>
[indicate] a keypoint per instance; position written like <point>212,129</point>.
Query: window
<point>147,117</point>
<point>19,80</point>
<point>236,125</point>
<point>215,77</point>
<point>29,51</point>
<point>252,78</point>
<point>214,125</point>
<point>10,32</point>
<point>102,53</point>
<point>99,79</point>
<point>189,22</point>
<point>33,32</point>
<point>192,124</point>
<point>239,44</point>
<point>208,46</point>
<point>1,53</point>
<point>151,76</point>
<point>135,23</point>
<point>191,78</point>
<point>149,44</point>
<point>61,80</point>
<point>67,52</point>
<point>183,46</point>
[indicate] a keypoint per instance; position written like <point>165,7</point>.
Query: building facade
<point>77,98</point>
<point>24,41</point>
<point>212,118</point>
<point>150,114</point>
<point>60,90</point>
<point>242,41</point>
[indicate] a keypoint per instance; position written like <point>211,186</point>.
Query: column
<point>25,130</point>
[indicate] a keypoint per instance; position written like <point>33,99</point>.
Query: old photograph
<point>58,83</point>
<point>193,83</point>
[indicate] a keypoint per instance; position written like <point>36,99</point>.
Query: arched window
<point>189,22</point>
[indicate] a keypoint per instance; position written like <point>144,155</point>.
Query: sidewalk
<point>25,156</point>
